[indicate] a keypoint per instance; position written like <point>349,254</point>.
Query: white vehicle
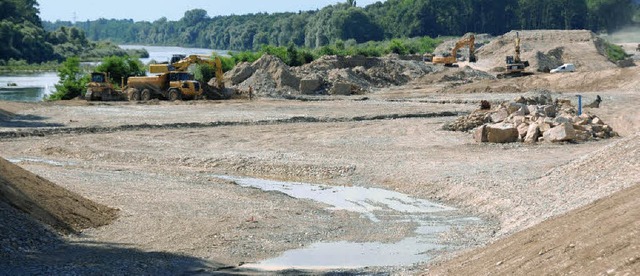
<point>567,67</point>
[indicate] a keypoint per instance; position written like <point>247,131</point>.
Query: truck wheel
<point>145,95</point>
<point>134,95</point>
<point>175,95</point>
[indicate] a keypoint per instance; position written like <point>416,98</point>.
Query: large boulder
<point>480,134</point>
<point>533,133</point>
<point>562,133</point>
<point>309,86</point>
<point>502,133</point>
<point>500,115</point>
<point>341,88</point>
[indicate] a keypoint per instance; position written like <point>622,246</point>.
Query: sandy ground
<point>158,169</point>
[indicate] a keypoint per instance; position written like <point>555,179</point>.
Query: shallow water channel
<point>432,220</point>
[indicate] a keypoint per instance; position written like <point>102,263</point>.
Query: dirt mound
<point>547,49</point>
<point>49,203</point>
<point>269,76</point>
<point>598,239</point>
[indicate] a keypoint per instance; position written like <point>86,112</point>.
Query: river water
<point>34,87</point>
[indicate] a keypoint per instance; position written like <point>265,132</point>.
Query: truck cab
<point>185,83</point>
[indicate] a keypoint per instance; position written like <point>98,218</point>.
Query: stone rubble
<point>531,120</point>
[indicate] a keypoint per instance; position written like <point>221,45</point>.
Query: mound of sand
<point>49,203</point>
<point>548,48</point>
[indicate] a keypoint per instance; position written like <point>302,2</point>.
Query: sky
<point>151,10</point>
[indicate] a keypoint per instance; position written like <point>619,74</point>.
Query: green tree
<point>121,68</point>
<point>72,82</point>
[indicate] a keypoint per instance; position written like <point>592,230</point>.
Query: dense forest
<point>379,21</point>
<point>23,39</point>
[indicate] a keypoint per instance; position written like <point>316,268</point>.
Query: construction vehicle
<point>515,65</point>
<point>181,63</point>
<point>100,89</point>
<point>169,86</point>
<point>450,60</point>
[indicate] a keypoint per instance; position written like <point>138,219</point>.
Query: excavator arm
<point>183,66</point>
<point>464,42</point>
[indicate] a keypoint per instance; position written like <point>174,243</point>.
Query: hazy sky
<point>151,10</point>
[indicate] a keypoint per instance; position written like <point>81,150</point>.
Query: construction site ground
<point>550,208</point>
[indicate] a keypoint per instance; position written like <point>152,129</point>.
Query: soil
<point>549,208</point>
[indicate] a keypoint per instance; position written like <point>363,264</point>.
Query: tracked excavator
<point>515,66</point>
<point>450,60</point>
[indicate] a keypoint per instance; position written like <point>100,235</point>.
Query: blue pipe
<point>579,105</point>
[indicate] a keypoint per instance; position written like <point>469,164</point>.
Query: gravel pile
<point>338,75</point>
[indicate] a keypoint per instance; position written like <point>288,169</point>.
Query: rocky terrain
<point>562,203</point>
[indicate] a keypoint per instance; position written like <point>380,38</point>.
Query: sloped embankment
<point>548,49</point>
<point>49,203</point>
<point>599,238</point>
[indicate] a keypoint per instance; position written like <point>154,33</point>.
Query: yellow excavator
<point>515,65</point>
<point>450,60</point>
<point>179,66</point>
<point>181,63</point>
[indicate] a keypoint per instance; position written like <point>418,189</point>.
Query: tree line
<point>380,21</point>
<point>23,38</point>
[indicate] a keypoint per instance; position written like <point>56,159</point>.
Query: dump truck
<point>101,89</point>
<point>181,63</point>
<point>451,59</point>
<point>168,86</point>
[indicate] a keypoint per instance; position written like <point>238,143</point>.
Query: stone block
<point>310,86</point>
<point>480,134</point>
<point>499,116</point>
<point>341,88</point>
<point>502,133</point>
<point>533,133</point>
<point>561,133</point>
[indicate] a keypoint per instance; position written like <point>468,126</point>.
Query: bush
<point>120,68</point>
<point>615,53</point>
<point>72,82</point>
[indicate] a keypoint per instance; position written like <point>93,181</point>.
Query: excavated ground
<point>156,163</point>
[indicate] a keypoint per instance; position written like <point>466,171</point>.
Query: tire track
<point>43,132</point>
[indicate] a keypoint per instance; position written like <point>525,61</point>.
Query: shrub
<point>72,82</point>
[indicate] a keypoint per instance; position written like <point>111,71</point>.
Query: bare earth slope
<point>600,238</point>
<point>51,204</point>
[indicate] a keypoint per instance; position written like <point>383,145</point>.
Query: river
<point>34,87</point>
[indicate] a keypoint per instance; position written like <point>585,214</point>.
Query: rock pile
<point>329,75</point>
<point>532,120</point>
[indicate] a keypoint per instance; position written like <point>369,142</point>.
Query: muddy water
<point>378,205</point>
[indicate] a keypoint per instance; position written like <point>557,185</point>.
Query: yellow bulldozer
<point>451,59</point>
<point>101,89</point>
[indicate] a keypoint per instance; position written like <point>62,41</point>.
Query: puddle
<point>376,204</point>
<point>38,160</point>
